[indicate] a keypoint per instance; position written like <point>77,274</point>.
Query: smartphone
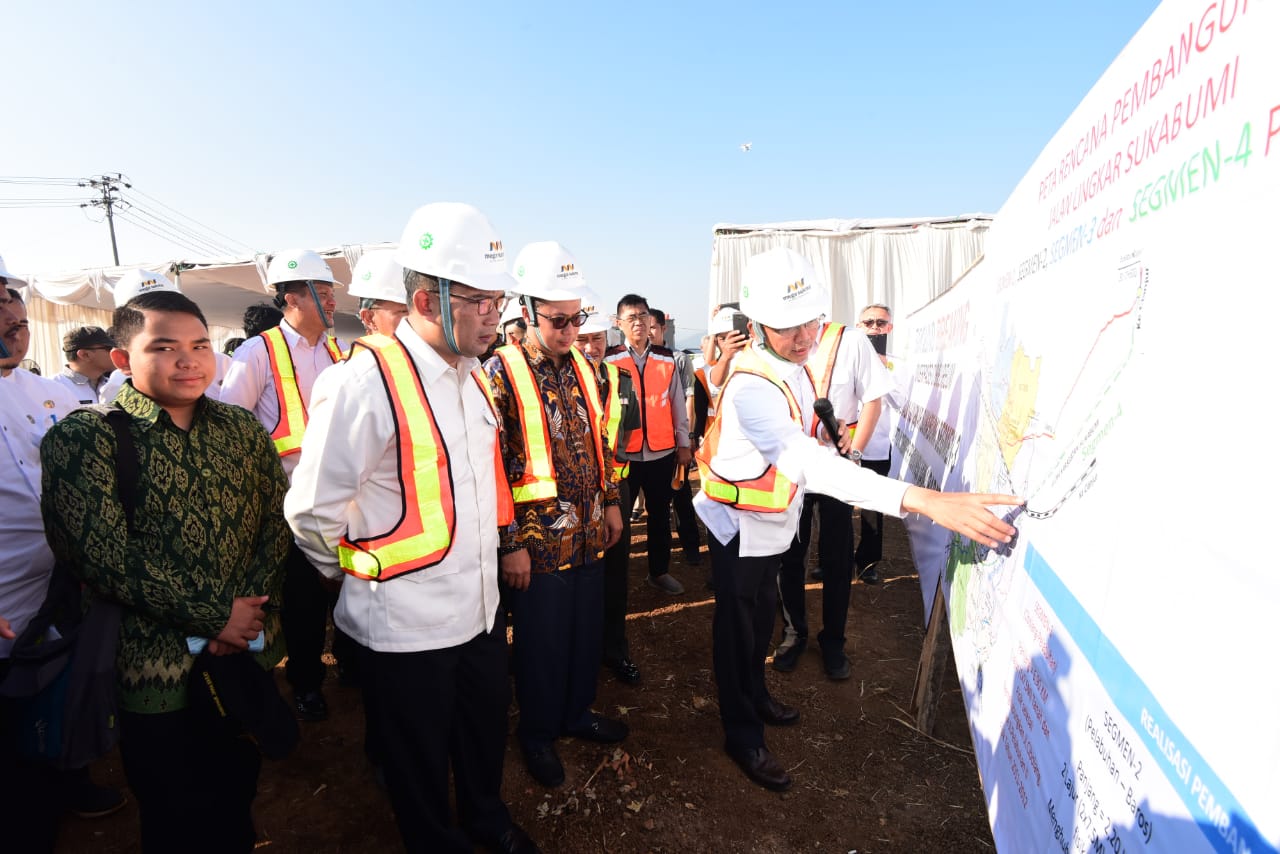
<point>879,342</point>
<point>740,323</point>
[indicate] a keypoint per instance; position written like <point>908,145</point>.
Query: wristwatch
<point>855,455</point>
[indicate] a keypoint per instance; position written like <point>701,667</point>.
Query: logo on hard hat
<point>495,245</point>
<point>293,265</point>
<point>425,241</point>
<point>566,272</point>
<point>520,271</point>
<point>797,285</point>
<point>566,268</point>
<point>368,274</point>
<point>495,252</point>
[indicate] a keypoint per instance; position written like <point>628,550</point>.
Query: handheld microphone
<point>822,409</point>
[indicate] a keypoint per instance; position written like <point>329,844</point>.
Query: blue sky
<point>611,128</point>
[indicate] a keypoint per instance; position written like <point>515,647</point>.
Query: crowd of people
<point>472,461</point>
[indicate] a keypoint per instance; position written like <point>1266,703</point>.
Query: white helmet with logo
<point>780,289</point>
<point>377,276</point>
<point>138,282</point>
<point>297,265</point>
<point>454,241</point>
<point>597,316</point>
<point>10,277</point>
<point>548,271</point>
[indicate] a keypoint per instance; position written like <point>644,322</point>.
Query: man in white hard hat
<point>272,376</point>
<point>513,325</point>
<point>378,281</point>
<point>621,416</point>
<point>400,486</point>
<point>757,462</point>
<point>562,479</point>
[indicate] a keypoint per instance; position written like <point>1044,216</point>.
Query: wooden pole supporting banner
<point>935,654</point>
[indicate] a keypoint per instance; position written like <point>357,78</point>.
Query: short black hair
<point>632,300</point>
<point>260,317</point>
<point>659,316</point>
<point>232,345</point>
<point>128,320</point>
<point>13,294</point>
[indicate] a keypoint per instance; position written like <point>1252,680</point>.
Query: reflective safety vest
<point>656,424</point>
<point>292,420</point>
<point>424,533</point>
<point>613,417</point>
<point>822,365</point>
<point>768,492</point>
<point>538,483</point>
<point>701,375</point>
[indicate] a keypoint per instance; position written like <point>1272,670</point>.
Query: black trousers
<point>835,556</point>
<point>686,521</point>
<point>195,791</point>
<point>438,710</point>
<point>30,799</point>
<point>654,478</point>
<point>871,539</point>
<point>741,628</point>
<point>616,561</point>
<point>304,616</point>
<point>557,651</point>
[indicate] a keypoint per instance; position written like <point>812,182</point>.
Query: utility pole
<point>108,186</point>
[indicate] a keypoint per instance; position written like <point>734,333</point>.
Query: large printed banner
<point>1111,360</point>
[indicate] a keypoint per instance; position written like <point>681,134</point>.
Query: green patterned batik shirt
<point>208,528</point>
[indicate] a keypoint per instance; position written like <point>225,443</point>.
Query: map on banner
<point>1108,361</point>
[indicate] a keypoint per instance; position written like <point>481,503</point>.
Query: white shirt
<point>858,376</point>
<point>756,430</point>
<point>78,384</point>
<point>249,382</point>
<point>347,481</point>
<point>117,378</point>
<point>29,406</point>
<point>879,445</point>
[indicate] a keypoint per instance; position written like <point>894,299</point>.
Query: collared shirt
<point>207,529</point>
<point>675,401</point>
<point>857,378</point>
<point>878,448</point>
<point>757,430</point>
<point>348,482</point>
<point>249,382</point>
<point>78,384</point>
<point>568,530</point>
<point>116,380</point>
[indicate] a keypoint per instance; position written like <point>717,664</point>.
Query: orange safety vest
<point>423,535</point>
<point>822,365</point>
<point>613,417</point>
<point>768,492</point>
<point>291,423</point>
<point>701,375</point>
<point>539,480</point>
<point>656,424</point>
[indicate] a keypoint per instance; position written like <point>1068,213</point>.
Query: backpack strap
<point>127,471</point>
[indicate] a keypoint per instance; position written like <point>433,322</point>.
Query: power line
<point>196,221</point>
<point>110,188</point>
<point>163,234</point>
<point>217,246</point>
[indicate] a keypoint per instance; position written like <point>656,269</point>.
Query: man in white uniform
<point>757,462</point>
<point>88,352</point>
<point>401,487</point>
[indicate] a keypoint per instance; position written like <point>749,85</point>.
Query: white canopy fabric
<point>223,288</point>
<point>903,263</point>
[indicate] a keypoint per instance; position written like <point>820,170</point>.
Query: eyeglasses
<point>483,305</point>
<point>875,323</point>
<point>633,319</point>
<point>793,330</point>
<point>560,321</point>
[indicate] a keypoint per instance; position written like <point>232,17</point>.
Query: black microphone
<point>822,409</point>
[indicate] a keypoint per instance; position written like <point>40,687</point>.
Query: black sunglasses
<point>560,321</point>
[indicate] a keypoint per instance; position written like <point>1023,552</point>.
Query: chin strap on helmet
<point>315,297</point>
<point>527,302</point>
<point>446,314</point>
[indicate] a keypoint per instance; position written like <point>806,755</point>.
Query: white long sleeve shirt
<point>347,481</point>
<point>756,430</point>
<point>248,381</point>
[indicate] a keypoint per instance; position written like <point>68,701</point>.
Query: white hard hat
<point>722,322</point>
<point>780,288</point>
<point>548,271</point>
<point>10,277</point>
<point>597,319</point>
<point>135,283</point>
<point>454,241</point>
<point>297,265</point>
<point>377,276</point>
<point>510,313</point>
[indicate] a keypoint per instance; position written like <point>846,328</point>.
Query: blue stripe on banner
<point>1224,823</point>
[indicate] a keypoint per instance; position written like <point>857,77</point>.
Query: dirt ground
<point>865,780</point>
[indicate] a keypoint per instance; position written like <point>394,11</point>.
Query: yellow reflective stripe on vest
<point>292,419</point>
<point>539,480</point>
<point>424,533</point>
<point>613,418</point>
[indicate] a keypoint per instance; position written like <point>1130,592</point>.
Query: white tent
<point>903,263</point>
<point>223,288</point>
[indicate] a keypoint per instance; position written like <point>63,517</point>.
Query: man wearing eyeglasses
<point>89,365</point>
<point>558,461</point>
<point>662,442</point>
<point>400,493</point>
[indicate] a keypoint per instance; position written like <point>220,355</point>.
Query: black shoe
<point>310,706</point>
<point>636,515</point>
<point>625,670</point>
<point>816,573</point>
<point>786,659</point>
<point>544,766</point>
<point>778,714</point>
<point>836,665</point>
<point>93,801</point>
<point>758,764</point>
<point>601,730</point>
<point>869,575</point>
<point>513,841</point>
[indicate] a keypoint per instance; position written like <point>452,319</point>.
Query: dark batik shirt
<point>208,528</point>
<point>568,530</point>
